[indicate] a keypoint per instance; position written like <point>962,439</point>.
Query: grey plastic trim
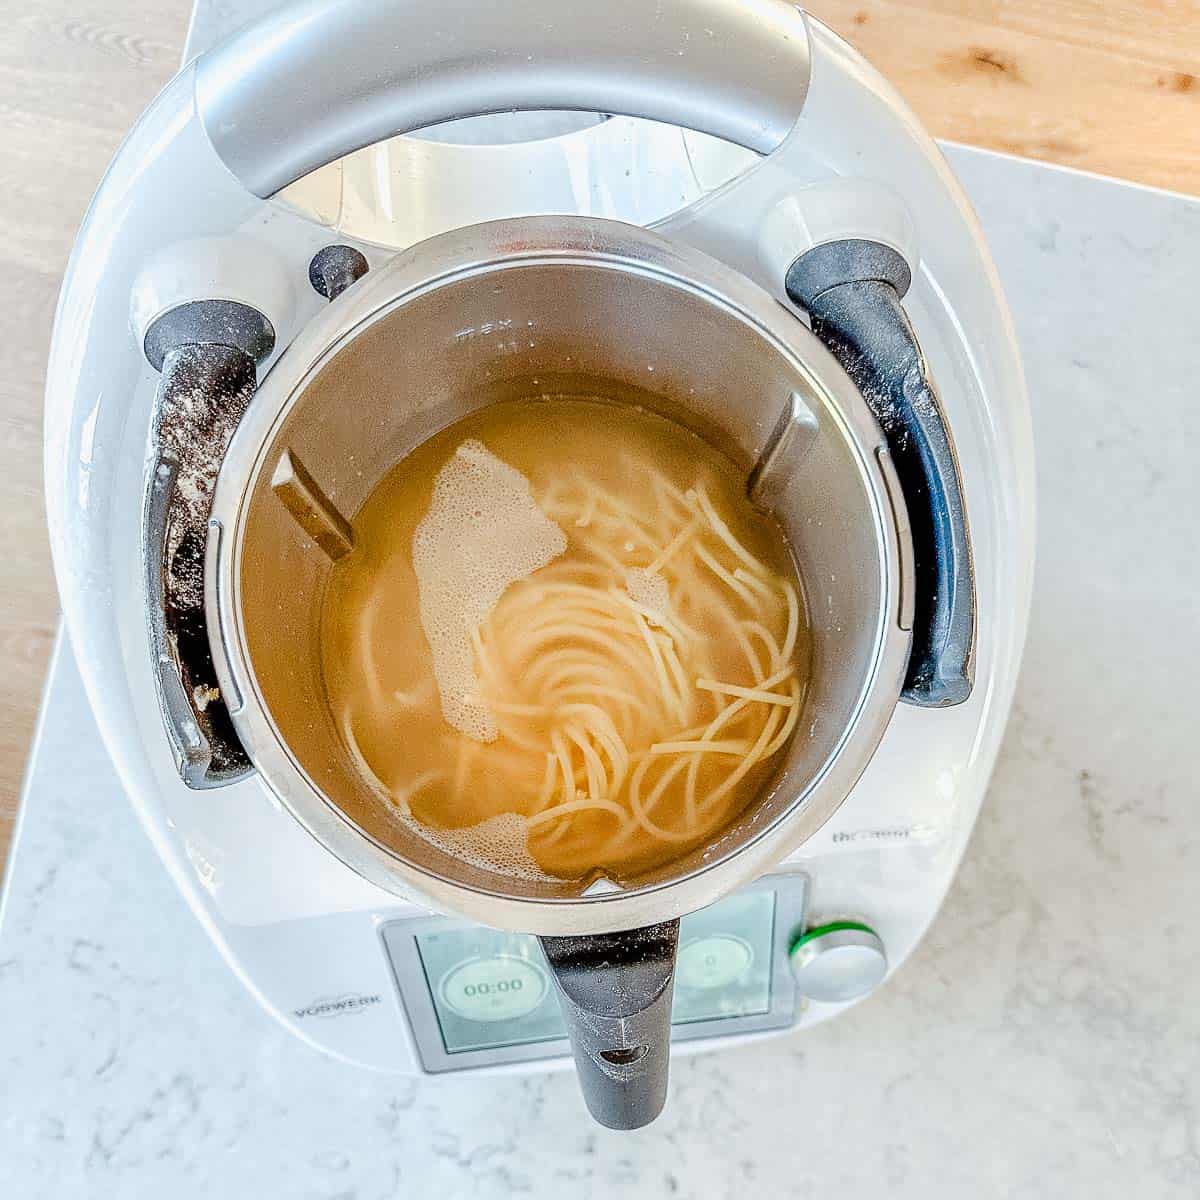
<point>312,82</point>
<point>335,268</point>
<point>209,323</point>
<point>849,260</point>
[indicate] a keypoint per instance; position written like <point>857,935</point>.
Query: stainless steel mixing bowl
<point>576,306</point>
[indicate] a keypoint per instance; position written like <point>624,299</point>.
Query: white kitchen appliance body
<point>187,209</point>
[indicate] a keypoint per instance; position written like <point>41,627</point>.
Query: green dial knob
<point>837,962</point>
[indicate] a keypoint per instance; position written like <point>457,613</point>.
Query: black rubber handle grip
<point>615,991</point>
<point>852,292</point>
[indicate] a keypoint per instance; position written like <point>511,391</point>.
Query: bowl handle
<point>615,991</point>
<point>314,81</point>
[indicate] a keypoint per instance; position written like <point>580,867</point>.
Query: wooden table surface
<point>1106,85</point>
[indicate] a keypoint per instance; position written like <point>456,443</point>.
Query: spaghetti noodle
<point>636,687</point>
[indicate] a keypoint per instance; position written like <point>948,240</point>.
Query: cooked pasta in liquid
<point>565,642</point>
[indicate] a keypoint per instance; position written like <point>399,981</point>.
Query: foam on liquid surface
<point>483,532</point>
<point>648,589</point>
<point>501,843</point>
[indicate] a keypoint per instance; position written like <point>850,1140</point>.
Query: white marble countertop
<point>1042,1043</point>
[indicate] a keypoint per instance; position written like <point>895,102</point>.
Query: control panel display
<point>476,997</point>
<point>724,967</point>
<point>494,989</point>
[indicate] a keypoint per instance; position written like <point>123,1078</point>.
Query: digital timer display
<point>489,989</point>
<point>500,988</point>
